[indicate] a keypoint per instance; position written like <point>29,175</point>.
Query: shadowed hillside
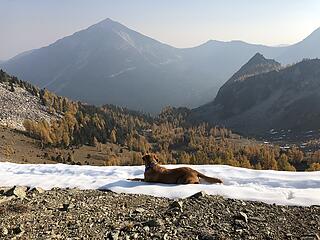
<point>278,99</point>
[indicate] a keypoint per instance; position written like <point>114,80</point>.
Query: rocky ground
<point>92,214</point>
<point>19,105</point>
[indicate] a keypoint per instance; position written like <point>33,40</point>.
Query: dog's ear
<point>155,157</point>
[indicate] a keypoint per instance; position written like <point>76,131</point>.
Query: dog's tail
<point>209,179</point>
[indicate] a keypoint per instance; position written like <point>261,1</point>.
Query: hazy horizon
<point>182,23</point>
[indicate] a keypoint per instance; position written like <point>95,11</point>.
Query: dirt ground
<point>19,148</point>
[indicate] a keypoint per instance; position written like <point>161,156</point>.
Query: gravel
<point>93,214</point>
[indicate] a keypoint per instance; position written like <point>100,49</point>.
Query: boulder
<point>18,191</point>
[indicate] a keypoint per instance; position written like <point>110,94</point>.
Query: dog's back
<point>182,175</point>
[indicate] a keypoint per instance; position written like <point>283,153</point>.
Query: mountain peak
<point>107,23</point>
<point>258,57</point>
<point>256,65</point>
<point>284,99</point>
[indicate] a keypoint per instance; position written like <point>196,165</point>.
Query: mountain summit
<point>105,63</point>
<point>110,63</point>
<point>256,65</point>
<point>278,99</point>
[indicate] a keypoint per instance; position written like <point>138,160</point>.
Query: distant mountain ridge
<point>307,48</point>
<point>106,63</point>
<point>110,63</point>
<point>279,99</point>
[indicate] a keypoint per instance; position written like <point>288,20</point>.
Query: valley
<point>82,134</point>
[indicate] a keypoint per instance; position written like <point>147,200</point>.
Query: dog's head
<point>150,159</point>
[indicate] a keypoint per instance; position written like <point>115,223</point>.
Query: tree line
<point>170,135</point>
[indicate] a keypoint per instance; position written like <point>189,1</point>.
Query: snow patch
<point>285,188</point>
<point>121,72</point>
<point>126,37</point>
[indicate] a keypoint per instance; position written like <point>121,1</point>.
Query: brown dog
<point>183,175</point>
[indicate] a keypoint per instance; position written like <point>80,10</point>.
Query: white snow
<point>285,188</point>
<point>122,71</point>
<point>126,37</point>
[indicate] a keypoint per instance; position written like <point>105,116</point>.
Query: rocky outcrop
<point>256,65</point>
<point>93,214</point>
<point>18,105</point>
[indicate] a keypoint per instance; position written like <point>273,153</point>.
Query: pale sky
<point>29,24</point>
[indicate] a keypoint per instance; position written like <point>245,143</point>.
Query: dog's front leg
<point>136,179</point>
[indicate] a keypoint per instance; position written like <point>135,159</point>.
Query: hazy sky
<point>28,24</point>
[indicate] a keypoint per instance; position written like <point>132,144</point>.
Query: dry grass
<point>19,148</point>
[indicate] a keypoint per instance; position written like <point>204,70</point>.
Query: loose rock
<point>139,210</point>
<point>92,214</point>
<point>154,223</point>
<point>242,216</point>
<point>17,191</point>
<point>199,194</point>
<point>37,190</point>
<point>176,204</point>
